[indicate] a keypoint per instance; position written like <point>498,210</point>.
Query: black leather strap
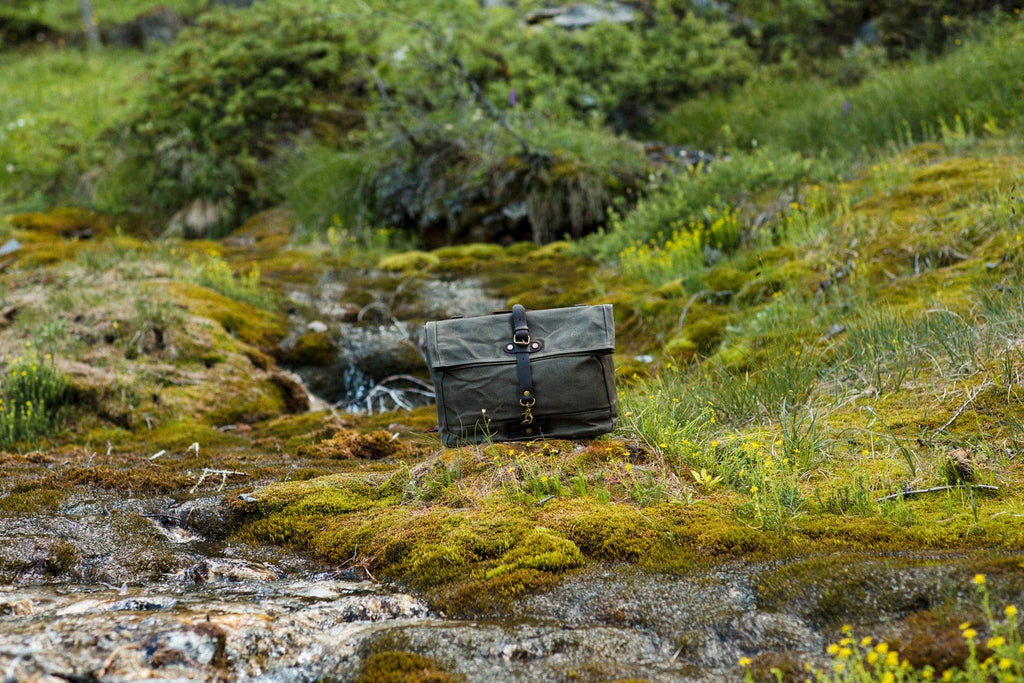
<point>521,340</point>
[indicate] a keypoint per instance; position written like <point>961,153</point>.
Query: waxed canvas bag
<point>523,375</point>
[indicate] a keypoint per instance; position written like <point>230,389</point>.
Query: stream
<point>225,611</point>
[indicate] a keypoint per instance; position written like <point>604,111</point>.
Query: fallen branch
<point>915,492</point>
<point>224,474</point>
<point>970,399</point>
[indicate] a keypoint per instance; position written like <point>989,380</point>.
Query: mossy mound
<point>403,667</point>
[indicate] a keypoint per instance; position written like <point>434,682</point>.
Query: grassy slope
<point>867,341</point>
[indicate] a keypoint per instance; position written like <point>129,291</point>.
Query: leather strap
<point>521,340</point>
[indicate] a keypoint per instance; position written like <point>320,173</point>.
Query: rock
<point>580,16</point>
<point>227,569</point>
<point>197,219</point>
<point>316,326</point>
<point>202,516</point>
<point>9,247</point>
<point>160,25</point>
<point>203,644</point>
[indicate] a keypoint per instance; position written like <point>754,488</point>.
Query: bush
<point>623,73</point>
<point>226,98</point>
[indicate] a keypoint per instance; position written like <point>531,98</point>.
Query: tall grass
<point>979,82</point>
<point>55,105</point>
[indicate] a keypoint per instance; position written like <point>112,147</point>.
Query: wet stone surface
<point>122,590</point>
<point>352,331</point>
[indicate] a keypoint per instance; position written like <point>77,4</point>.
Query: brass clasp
<point>527,404</point>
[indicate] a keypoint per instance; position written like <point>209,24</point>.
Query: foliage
<point>698,208</point>
<point>32,393</point>
<point>229,94</point>
<point>891,105</point>
<point>999,656</point>
<point>210,270</point>
<point>624,72</point>
<point>66,18</point>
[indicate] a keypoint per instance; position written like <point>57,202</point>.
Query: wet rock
<point>144,604</point>
<point>9,247</point>
<point>203,644</point>
<point>197,220</point>
<point>204,517</point>
<point>341,351</point>
<point>210,570</point>
<point>159,25</point>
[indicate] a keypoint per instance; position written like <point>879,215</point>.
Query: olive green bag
<point>524,375</point>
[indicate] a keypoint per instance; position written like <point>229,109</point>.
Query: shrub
<point>230,93</point>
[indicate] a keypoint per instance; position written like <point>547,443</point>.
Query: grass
<point>976,84</point>
<point>56,104</point>
<point>67,17</point>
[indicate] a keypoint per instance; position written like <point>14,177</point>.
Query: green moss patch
<point>403,667</point>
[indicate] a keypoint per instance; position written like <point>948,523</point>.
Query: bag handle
<point>521,343</point>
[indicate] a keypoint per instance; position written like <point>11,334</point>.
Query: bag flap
<point>482,339</point>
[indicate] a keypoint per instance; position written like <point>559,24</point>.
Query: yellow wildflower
<point>1010,611</point>
<point>970,633</point>
<point>998,641</point>
<point>744,662</point>
<point>979,579</point>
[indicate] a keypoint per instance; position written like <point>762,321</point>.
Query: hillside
<point>209,304</point>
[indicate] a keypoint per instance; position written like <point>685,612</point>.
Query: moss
<point>493,596</point>
<point>33,500</point>
<point>304,426</point>
<point>927,639</point>
<point>177,434</point>
<point>61,558</point>
<point>402,667</point>
<point>725,278</point>
<point>64,223</point>
<point>243,321</point>
<point>473,252</point>
<point>313,348</point>
<point>410,262</point>
<point>149,478</point>
<point>705,328</point>
<point>349,443</point>
<point>606,531</point>
<point>541,550</point>
<point>266,232</point>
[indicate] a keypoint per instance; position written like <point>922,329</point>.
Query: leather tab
<point>520,330</point>
<point>521,342</point>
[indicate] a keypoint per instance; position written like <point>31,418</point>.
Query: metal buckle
<point>519,341</point>
<point>527,404</point>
